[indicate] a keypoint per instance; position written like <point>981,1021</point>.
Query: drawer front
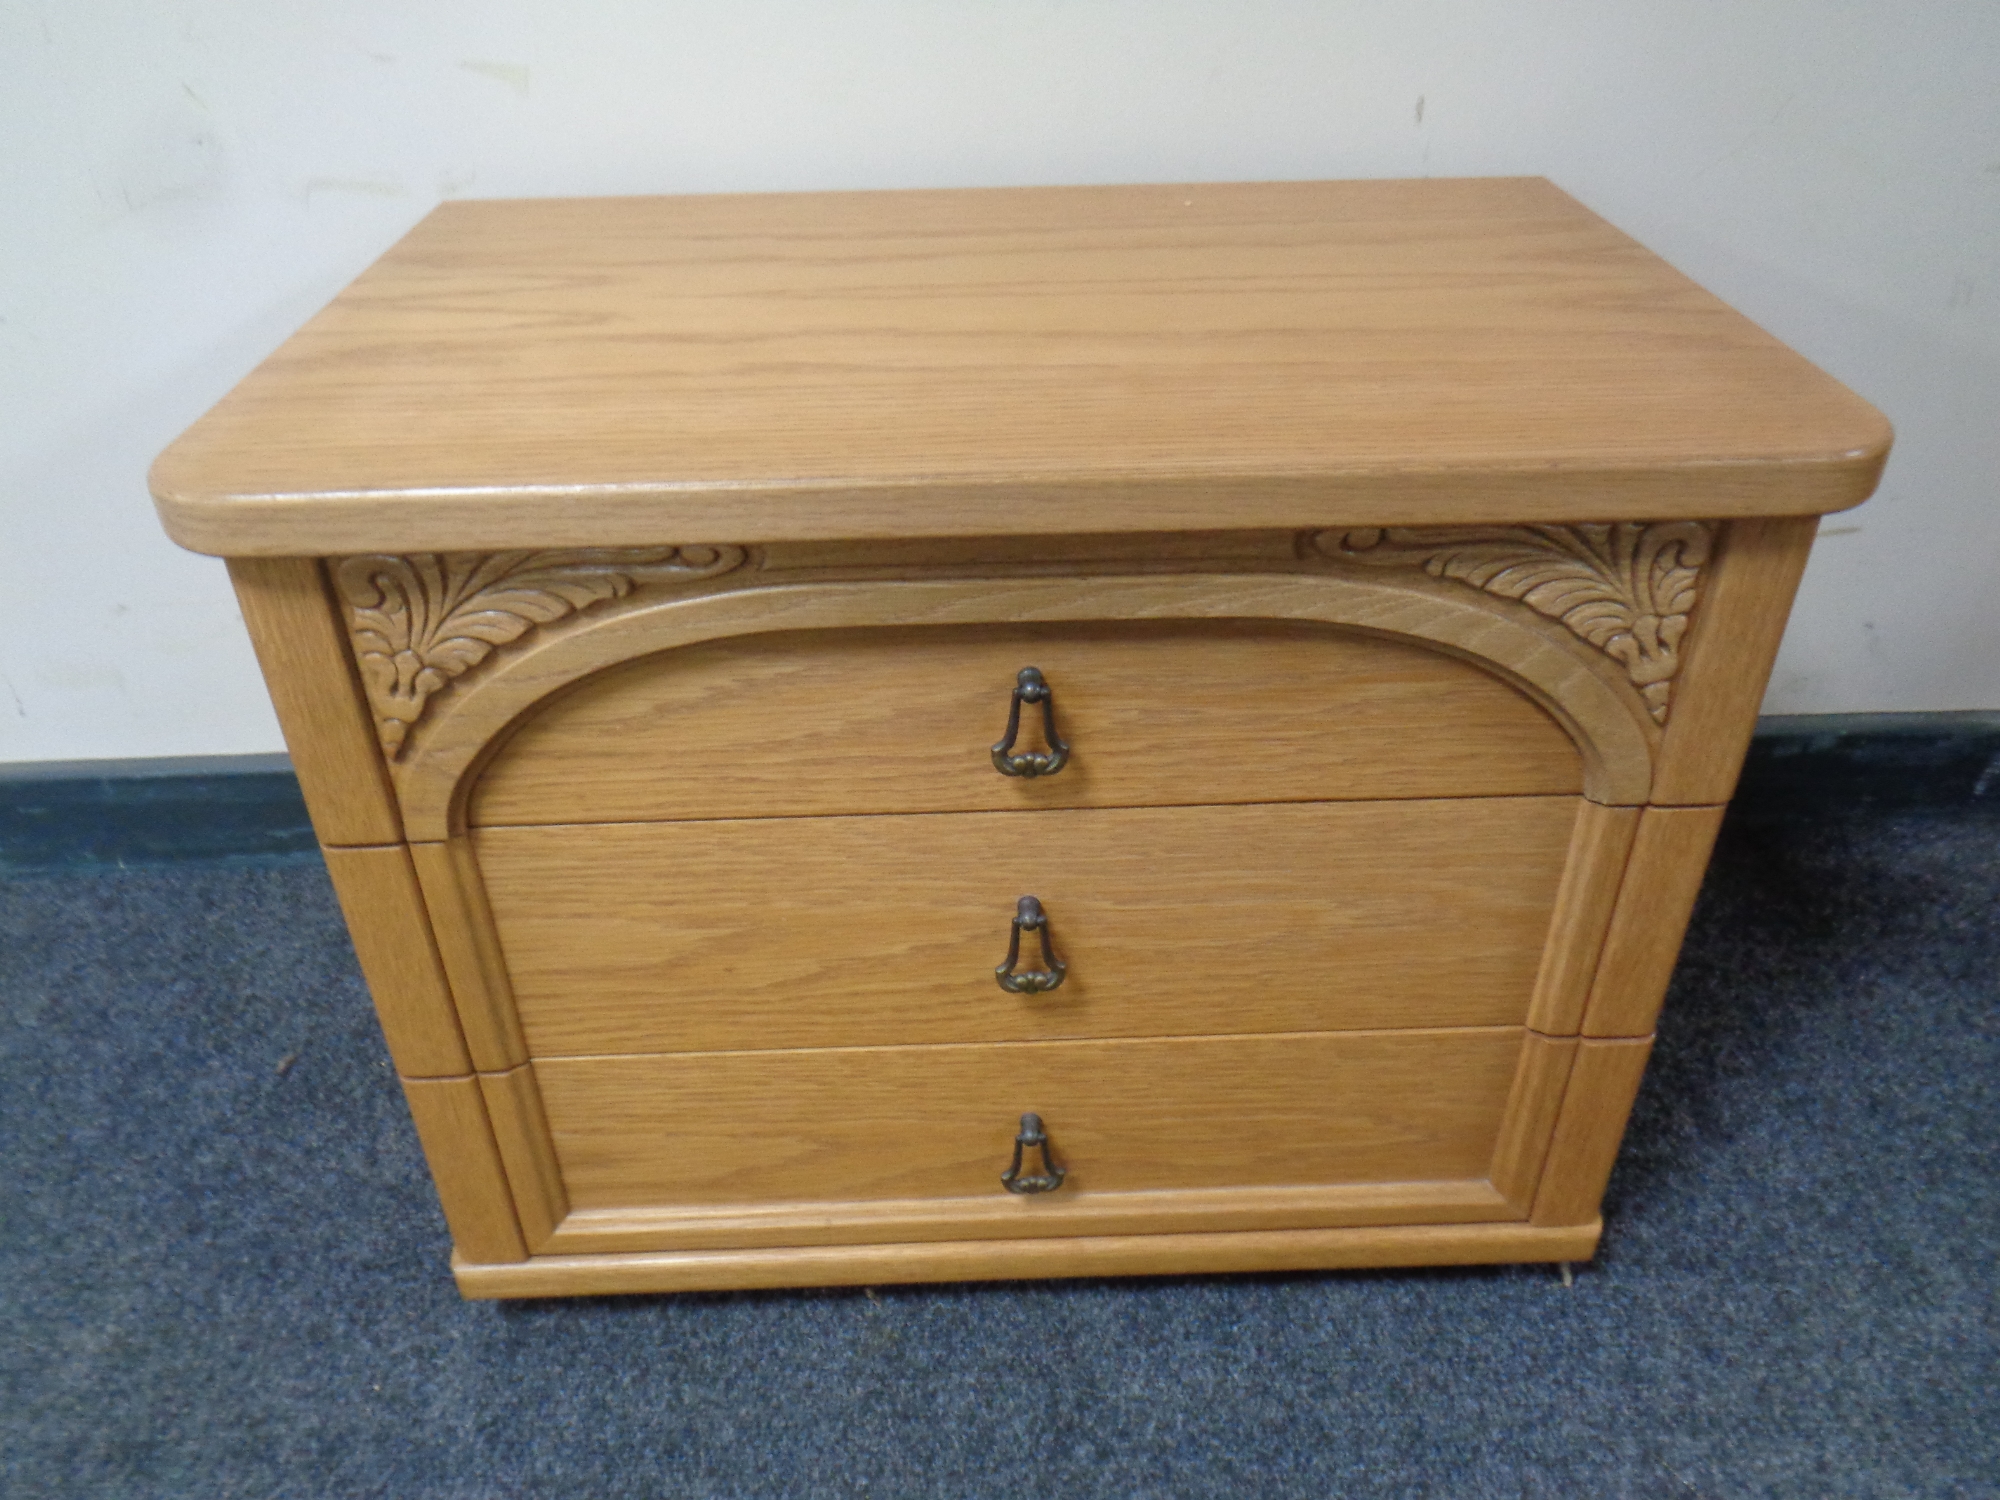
<point>903,720</point>
<point>820,932</point>
<point>924,1124</point>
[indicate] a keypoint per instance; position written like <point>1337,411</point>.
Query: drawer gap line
<point>1217,1036</point>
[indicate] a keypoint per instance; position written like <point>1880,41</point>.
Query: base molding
<point>1015,1260</point>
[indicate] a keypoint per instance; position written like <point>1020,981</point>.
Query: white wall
<point>182,183</point>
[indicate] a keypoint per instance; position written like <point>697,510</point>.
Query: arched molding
<point>1579,687</point>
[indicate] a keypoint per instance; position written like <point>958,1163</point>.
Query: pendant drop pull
<point>1029,917</point>
<point>1031,687</point>
<point>1033,1138</point>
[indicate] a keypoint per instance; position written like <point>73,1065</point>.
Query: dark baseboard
<point>1825,763</point>
<point>114,814</point>
<point>111,814</point>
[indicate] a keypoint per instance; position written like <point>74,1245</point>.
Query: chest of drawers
<point>920,736</point>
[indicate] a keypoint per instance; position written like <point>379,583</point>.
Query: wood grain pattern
<point>1003,1216</point>
<point>392,937</point>
<point>1581,688</point>
<point>469,948</point>
<point>881,930</point>
<point>301,645</point>
<point>752,368</point>
<point>1603,1083</point>
<point>823,1128</point>
<point>1662,880</point>
<point>1737,628</point>
<point>971,1260</point>
<point>521,1133</point>
<point>1540,1076</point>
<point>1598,852</point>
<point>1156,714</point>
<point>465,1164</point>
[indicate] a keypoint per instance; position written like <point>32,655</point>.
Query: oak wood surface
<point>855,931</point>
<point>821,1128</point>
<point>302,647</point>
<point>1000,1215</point>
<point>1540,1077</point>
<point>1603,1083</point>
<point>1108,1255</point>
<point>391,929</point>
<point>763,367</point>
<point>858,721</point>
<point>521,1134</point>
<point>1598,852</point>
<point>462,925</point>
<point>1746,597</point>
<point>1584,689</point>
<point>465,1164</point>
<point>1662,879</point>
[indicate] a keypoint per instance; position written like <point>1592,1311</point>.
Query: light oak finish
<point>521,1134</point>
<point>782,367</point>
<point>620,1231</point>
<point>882,930</point>
<point>465,1164</point>
<point>1598,852</point>
<point>455,900</point>
<point>302,648</point>
<point>641,584</point>
<point>892,721</point>
<point>1734,641</point>
<point>392,938</point>
<point>1603,1083</point>
<point>823,1128</point>
<point>1010,1260</point>
<point>1662,880</point>
<point>1583,689</point>
<point>1540,1077</point>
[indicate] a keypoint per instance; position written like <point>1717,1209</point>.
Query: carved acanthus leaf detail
<point>1627,587</point>
<point>420,622</point>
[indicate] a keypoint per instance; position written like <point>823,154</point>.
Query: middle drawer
<point>859,931</point>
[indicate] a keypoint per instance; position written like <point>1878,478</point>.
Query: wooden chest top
<point>753,368</point>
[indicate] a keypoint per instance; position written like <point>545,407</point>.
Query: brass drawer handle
<point>1033,1138</point>
<point>1029,917</point>
<point>1031,687</point>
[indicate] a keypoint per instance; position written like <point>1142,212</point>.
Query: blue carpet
<point>222,1273</point>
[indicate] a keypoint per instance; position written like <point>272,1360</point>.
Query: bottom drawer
<point>1154,1135</point>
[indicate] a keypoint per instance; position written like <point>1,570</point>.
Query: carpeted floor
<point>221,1274</point>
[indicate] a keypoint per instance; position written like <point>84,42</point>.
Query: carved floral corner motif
<point>1628,588</point>
<point>418,623</point>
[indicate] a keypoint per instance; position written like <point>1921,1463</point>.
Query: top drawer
<point>903,720</point>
